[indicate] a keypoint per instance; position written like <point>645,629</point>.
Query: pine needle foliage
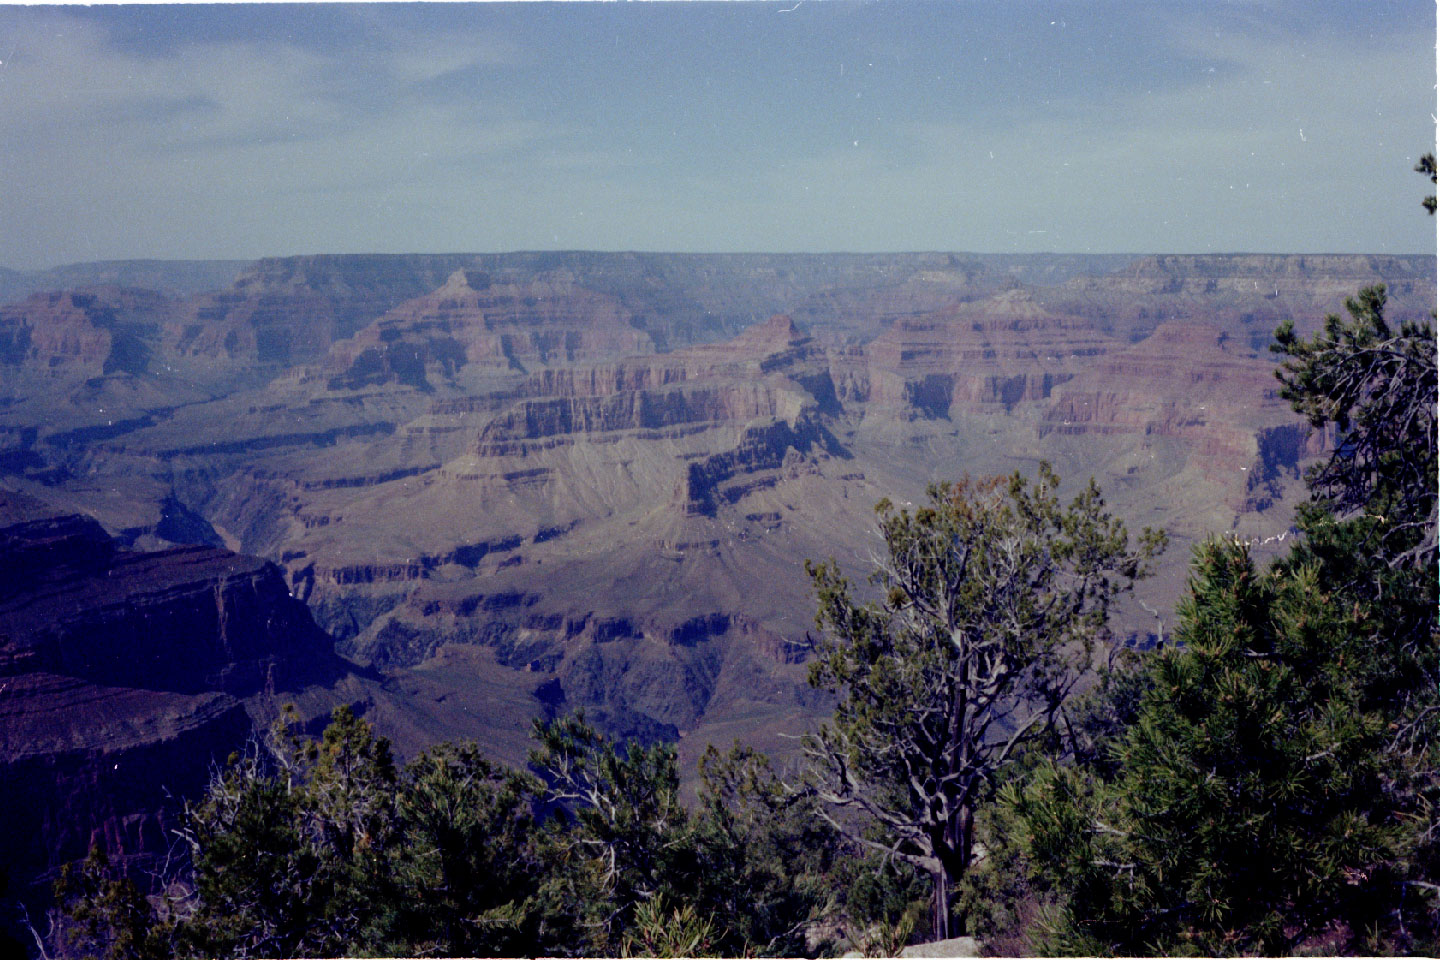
<point>994,597</point>
<point>106,916</point>
<point>1251,814</point>
<point>1375,387</point>
<point>622,842</point>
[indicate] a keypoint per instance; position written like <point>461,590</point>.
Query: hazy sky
<point>806,125</point>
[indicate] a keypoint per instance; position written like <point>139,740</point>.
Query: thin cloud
<point>409,127</point>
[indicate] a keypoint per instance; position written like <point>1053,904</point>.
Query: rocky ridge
<point>126,677</point>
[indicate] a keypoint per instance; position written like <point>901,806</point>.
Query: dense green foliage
<point>769,862</point>
<point>1249,811</point>
<point>327,848</point>
<point>1375,388</point>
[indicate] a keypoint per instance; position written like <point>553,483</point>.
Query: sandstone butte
<point>462,491</point>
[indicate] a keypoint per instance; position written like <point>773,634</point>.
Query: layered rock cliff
<point>68,335</point>
<point>982,355</point>
<point>1246,295</point>
<point>290,310</point>
<point>474,321</point>
<point>125,677</point>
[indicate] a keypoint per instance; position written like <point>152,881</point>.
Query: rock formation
<point>126,678</point>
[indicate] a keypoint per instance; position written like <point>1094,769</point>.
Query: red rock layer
<point>474,321</point>
<point>983,355</point>
<point>80,334</point>
<point>1183,381</point>
<point>288,310</point>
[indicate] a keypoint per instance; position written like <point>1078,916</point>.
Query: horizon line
<point>721,253</point>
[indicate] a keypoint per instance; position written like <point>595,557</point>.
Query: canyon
<point>461,491</point>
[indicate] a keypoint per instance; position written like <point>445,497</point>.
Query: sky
<point>240,131</point>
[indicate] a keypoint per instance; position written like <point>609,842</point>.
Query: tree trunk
<point>965,850</point>
<point>942,906</point>
<point>954,853</point>
<point>965,842</point>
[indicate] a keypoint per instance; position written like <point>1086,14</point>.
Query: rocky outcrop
<point>1311,275</point>
<point>474,320</point>
<point>76,334</point>
<point>1188,382</point>
<point>986,355</point>
<point>1246,295</point>
<point>775,346</point>
<point>1183,375</point>
<point>768,446</point>
<point>769,371</point>
<point>290,310</point>
<point>126,676</point>
<point>115,780</point>
<point>1281,450</point>
<point>636,410</point>
<point>412,568</point>
<point>954,947</point>
<point>33,544</point>
<point>188,620</point>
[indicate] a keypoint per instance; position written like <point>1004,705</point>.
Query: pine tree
<point>763,857</point>
<point>1375,388</point>
<point>292,848</point>
<point>622,839</point>
<point>106,916</point>
<point>1251,812</point>
<point>994,598</point>
<point>468,871</point>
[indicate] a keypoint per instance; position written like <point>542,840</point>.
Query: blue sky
<point>240,131</point>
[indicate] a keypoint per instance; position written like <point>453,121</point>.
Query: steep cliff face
<point>116,780</point>
<point>474,319</point>
<point>767,446</point>
<point>980,356</point>
<point>1187,381</point>
<point>126,677</point>
<point>187,619</point>
<point>1191,365</point>
<point>1246,295</point>
<point>33,545</point>
<point>289,310</point>
<point>55,326</point>
<point>636,410</point>
<point>69,335</point>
